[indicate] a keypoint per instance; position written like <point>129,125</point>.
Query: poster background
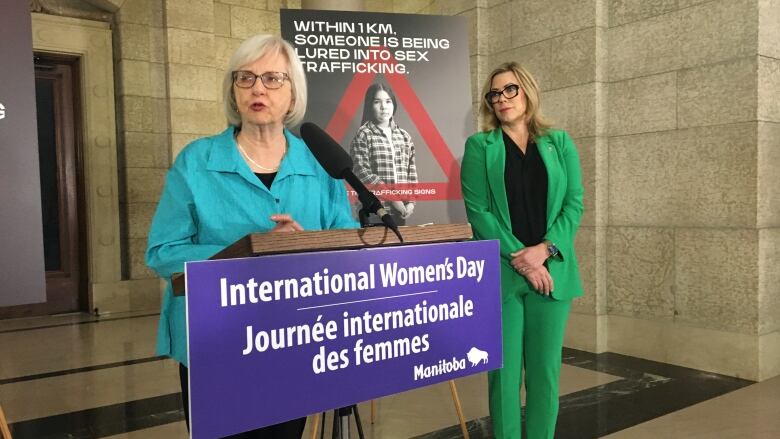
<point>442,85</point>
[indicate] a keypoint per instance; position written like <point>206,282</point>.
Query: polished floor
<point>80,376</point>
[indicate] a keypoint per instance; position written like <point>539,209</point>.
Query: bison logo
<point>476,356</point>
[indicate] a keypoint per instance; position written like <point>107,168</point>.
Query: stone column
<point>768,212</point>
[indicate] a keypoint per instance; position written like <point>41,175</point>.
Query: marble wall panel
<point>246,22</point>
<point>180,141</point>
<point>644,47</point>
<point>536,58</point>
<point>192,82</point>
<point>768,89</point>
<point>257,4</point>
<point>455,7</point>
<point>537,20</point>
<point>716,283</point>
<point>190,47</point>
<point>718,31</point>
<point>146,150</point>
<point>769,28</point>
<point>137,12</point>
<point>685,178</point>
<point>573,59</point>
<point>573,109</point>
<point>196,117</point>
<point>499,28</point>
<point>158,45</point>
<point>144,185</point>
<point>139,219</point>
<point>586,245</point>
<point>768,175</point>
<point>627,11</point>
<point>190,14</point>
<point>643,105</point>
<point>717,94</point>
<point>586,147</point>
<point>158,80</point>
<point>768,280</point>
<point>221,19</point>
<point>133,42</point>
<point>134,78</point>
<point>137,265</point>
<point>640,272</point>
<point>136,113</point>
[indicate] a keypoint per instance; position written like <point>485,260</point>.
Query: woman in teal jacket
<point>255,176</point>
<point>522,186</point>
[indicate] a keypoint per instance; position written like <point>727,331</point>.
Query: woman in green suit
<point>522,186</point>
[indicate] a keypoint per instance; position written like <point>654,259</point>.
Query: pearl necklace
<point>274,169</point>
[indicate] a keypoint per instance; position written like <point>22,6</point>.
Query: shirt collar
<point>224,156</point>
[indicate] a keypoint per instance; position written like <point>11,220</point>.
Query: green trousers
<point>533,329</point>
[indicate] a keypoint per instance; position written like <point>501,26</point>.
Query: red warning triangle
<point>352,100</point>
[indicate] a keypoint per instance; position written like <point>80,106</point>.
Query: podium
<point>260,244</point>
<point>414,327</point>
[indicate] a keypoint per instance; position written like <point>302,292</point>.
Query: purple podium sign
<point>279,337</point>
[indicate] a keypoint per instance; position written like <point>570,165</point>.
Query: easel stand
<point>5,433</point>
<point>341,423</point>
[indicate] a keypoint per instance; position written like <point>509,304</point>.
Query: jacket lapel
<point>495,159</point>
<point>547,151</point>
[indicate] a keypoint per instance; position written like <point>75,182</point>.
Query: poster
<point>365,68</point>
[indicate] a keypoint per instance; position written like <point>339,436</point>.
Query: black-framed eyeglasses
<point>509,92</point>
<point>271,80</point>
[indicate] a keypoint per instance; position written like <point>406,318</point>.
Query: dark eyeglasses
<point>271,80</point>
<point>509,92</point>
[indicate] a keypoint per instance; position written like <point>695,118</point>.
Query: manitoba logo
<point>476,356</point>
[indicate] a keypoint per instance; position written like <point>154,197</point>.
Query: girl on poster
<point>383,153</point>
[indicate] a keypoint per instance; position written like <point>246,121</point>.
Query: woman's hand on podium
<point>285,223</point>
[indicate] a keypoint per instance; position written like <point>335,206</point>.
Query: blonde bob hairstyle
<point>250,51</point>
<point>537,123</point>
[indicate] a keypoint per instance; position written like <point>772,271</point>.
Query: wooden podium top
<point>258,244</point>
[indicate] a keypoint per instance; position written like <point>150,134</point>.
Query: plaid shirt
<point>378,161</point>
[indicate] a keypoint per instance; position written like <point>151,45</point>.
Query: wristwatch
<point>552,249</point>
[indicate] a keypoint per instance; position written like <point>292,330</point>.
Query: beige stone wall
<point>684,260</point>
<point>674,106</point>
<point>768,188</point>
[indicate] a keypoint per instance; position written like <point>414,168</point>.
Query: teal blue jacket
<point>484,193</point>
<point>211,199</point>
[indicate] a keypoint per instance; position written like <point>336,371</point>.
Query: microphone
<point>338,164</point>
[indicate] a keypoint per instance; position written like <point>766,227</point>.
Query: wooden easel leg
<point>4,431</point>
<point>373,411</point>
<point>458,409</point>
<point>315,426</point>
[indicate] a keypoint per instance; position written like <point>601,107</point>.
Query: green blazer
<point>484,193</point>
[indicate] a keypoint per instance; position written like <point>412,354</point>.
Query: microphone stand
<point>370,204</point>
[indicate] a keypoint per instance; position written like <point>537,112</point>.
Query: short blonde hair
<point>253,49</point>
<point>537,123</point>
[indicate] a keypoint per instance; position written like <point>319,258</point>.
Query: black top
<point>525,178</point>
<point>267,179</point>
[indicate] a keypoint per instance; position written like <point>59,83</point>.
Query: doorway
<point>57,92</point>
